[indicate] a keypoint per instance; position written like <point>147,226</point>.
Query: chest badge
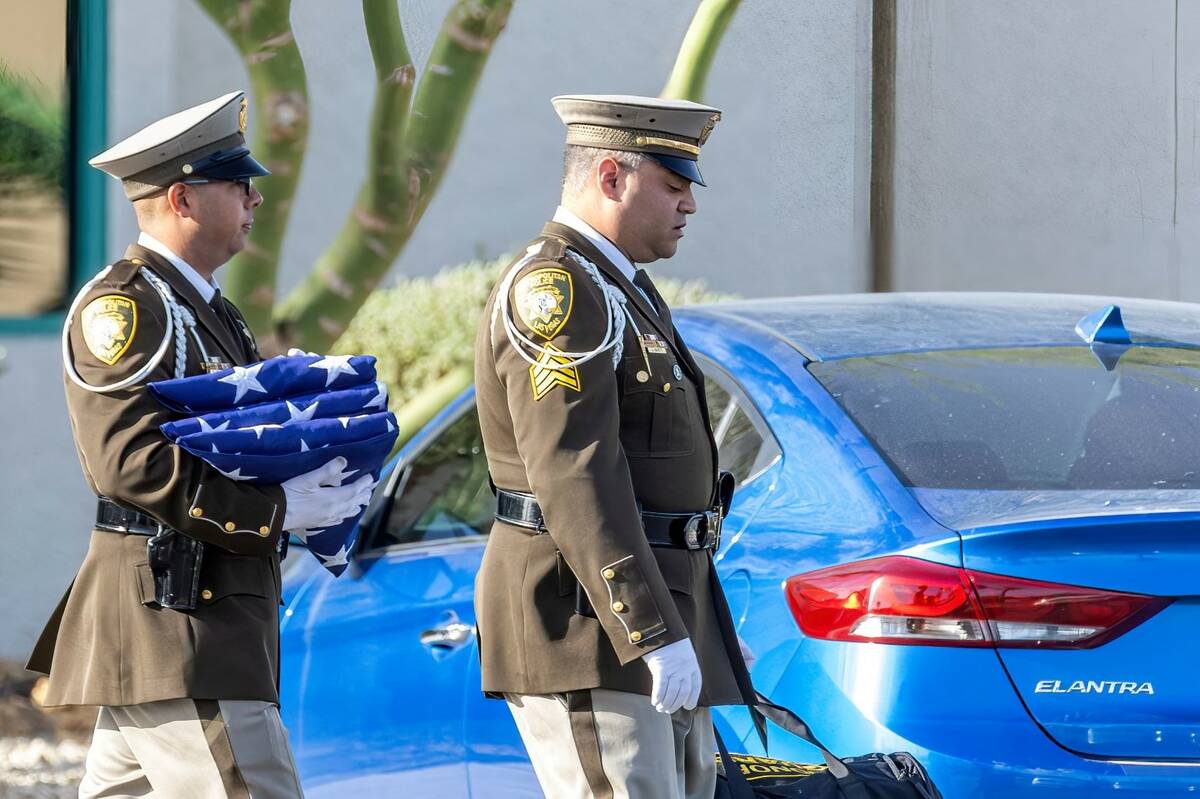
<point>215,364</point>
<point>544,299</point>
<point>677,372</point>
<point>653,344</point>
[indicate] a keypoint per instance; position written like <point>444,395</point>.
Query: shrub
<point>423,328</point>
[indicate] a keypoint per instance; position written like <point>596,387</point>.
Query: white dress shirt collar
<point>206,288</point>
<point>610,251</point>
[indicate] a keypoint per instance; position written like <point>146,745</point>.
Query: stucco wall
<point>784,214</point>
<point>1039,146</point>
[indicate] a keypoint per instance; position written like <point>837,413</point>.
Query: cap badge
<point>713,119</point>
<point>242,116</point>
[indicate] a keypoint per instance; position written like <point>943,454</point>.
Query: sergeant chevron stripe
<point>551,370</point>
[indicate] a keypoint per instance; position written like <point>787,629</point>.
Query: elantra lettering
<point>1093,687</point>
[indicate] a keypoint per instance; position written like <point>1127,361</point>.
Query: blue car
<point>967,527</point>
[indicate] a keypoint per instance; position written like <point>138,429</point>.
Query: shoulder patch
<point>544,298</point>
<point>551,371</point>
<point>109,324</point>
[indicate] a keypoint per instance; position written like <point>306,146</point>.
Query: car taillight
<point>899,600</point>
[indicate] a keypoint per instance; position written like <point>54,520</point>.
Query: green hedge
<point>422,329</point>
<point>32,143</point>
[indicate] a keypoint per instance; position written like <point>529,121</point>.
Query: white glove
<point>674,677</point>
<point>318,498</point>
<point>294,351</point>
<point>747,653</point>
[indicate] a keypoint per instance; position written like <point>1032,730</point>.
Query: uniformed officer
<point>172,623</point>
<point>599,615</point>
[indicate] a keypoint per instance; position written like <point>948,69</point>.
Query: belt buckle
<point>712,531</point>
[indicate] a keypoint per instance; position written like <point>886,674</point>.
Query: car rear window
<point>1028,419</point>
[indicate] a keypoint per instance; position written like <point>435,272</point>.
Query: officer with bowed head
<point>600,617</point>
<point>171,624</point>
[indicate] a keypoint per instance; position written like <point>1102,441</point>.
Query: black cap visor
<point>229,164</point>
<point>680,166</point>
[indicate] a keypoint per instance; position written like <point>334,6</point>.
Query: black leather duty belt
<point>112,518</point>
<point>682,530</point>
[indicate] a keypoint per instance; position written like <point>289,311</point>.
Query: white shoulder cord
<point>616,312</point>
<point>179,321</point>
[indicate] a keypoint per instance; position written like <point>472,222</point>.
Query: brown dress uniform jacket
<point>592,443</point>
<point>107,642</point>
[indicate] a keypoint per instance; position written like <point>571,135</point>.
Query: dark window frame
<point>87,114</point>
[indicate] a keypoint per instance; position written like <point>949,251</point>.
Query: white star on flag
<point>217,451</point>
<point>298,415</point>
<point>205,427</point>
<point>334,365</point>
<point>338,558</point>
<point>244,379</point>
<point>391,426</point>
<point>258,428</point>
<point>380,400</point>
<point>303,445</point>
<point>236,474</point>
<point>345,420</point>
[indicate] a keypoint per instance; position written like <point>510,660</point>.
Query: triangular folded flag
<point>271,421</point>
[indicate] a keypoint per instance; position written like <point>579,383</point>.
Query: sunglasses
<point>245,183</point>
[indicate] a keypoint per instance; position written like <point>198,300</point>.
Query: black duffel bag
<point>873,776</point>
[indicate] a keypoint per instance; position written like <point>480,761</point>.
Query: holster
<point>175,563</point>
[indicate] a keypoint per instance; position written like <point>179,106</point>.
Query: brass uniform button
<point>264,531</point>
<point>608,574</point>
<point>197,512</point>
<point>635,636</point>
<point>666,386</point>
<point>618,607</point>
<point>206,594</point>
<point>642,376</point>
<point>230,527</point>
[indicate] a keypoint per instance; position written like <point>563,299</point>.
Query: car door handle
<point>449,636</point>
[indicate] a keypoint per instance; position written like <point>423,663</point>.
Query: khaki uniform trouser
<point>615,745</point>
<point>190,749</point>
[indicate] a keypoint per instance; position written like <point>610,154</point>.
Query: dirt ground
<point>41,751</point>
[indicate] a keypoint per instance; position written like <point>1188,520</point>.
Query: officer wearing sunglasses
<point>186,679</point>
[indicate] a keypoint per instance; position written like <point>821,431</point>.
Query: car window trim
<point>732,387</point>
<point>397,483</point>
<point>432,546</point>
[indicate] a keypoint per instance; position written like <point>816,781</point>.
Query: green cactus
<point>262,32</point>
<point>415,124</point>
<point>411,145</point>
<point>699,47</point>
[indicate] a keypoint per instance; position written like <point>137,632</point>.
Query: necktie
<point>222,311</point>
<point>643,282</point>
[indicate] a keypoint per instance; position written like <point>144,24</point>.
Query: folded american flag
<point>274,420</point>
